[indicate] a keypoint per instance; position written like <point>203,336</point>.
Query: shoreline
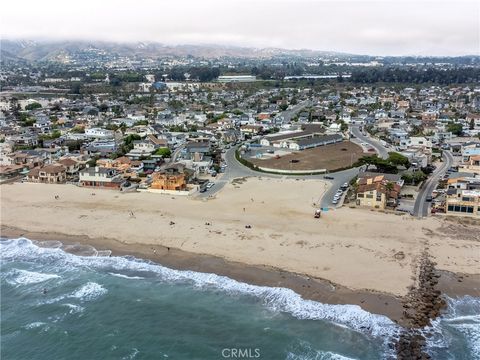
<point>316,289</point>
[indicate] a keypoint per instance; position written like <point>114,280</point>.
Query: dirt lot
<point>330,157</point>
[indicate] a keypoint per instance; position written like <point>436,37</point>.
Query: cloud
<point>387,27</point>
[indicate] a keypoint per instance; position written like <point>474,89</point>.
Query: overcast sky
<point>382,27</point>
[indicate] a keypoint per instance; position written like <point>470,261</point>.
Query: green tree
<point>78,130</point>
<point>398,159</point>
<point>455,128</point>
<point>54,135</point>
<point>176,105</point>
<point>163,152</point>
<point>33,106</point>
<point>414,177</point>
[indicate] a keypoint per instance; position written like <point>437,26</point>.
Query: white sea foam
<point>35,325</point>
<point>24,277</point>
<point>74,309</point>
<point>126,276</point>
<point>308,353</point>
<point>275,298</point>
<point>89,291</point>
<point>461,316</point>
<point>132,355</point>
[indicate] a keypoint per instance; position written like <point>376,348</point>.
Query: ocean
<point>56,305</point>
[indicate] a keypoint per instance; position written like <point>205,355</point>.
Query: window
<point>368,196</point>
<point>360,195</point>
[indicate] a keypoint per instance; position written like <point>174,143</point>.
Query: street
<point>381,150</point>
<point>421,205</point>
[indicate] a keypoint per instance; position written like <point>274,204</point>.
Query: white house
<point>98,133</point>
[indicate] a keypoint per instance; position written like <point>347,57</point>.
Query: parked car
<point>328,177</point>
<point>209,185</point>
<point>429,198</point>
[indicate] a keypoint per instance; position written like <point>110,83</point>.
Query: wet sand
<point>309,288</point>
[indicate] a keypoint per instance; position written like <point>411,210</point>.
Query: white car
<point>335,201</point>
<point>209,185</point>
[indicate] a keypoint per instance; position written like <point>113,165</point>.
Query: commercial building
<point>237,78</point>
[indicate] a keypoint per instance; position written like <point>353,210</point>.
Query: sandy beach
<point>357,251</point>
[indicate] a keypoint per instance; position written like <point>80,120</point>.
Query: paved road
<point>176,153</point>
<point>421,205</point>
<point>381,150</point>
<point>287,115</point>
<point>340,178</point>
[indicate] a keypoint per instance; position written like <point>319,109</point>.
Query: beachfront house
<point>377,192</point>
<point>173,177</point>
<point>100,177</point>
<point>71,166</point>
<point>49,174</point>
<point>463,197</point>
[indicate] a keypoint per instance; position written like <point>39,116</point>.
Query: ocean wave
<point>126,276</point>
<point>35,325</point>
<point>74,309</point>
<point>318,355</point>
<point>461,316</point>
<point>132,355</point>
<point>89,291</point>
<point>24,277</point>
<point>274,298</point>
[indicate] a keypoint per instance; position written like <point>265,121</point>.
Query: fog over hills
<point>50,50</point>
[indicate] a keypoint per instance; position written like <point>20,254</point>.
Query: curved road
<point>421,205</point>
<point>381,150</point>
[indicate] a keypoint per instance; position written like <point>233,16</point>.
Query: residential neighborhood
<point>177,137</point>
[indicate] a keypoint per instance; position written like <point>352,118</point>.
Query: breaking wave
<point>24,277</point>
<point>462,316</point>
<point>275,298</point>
